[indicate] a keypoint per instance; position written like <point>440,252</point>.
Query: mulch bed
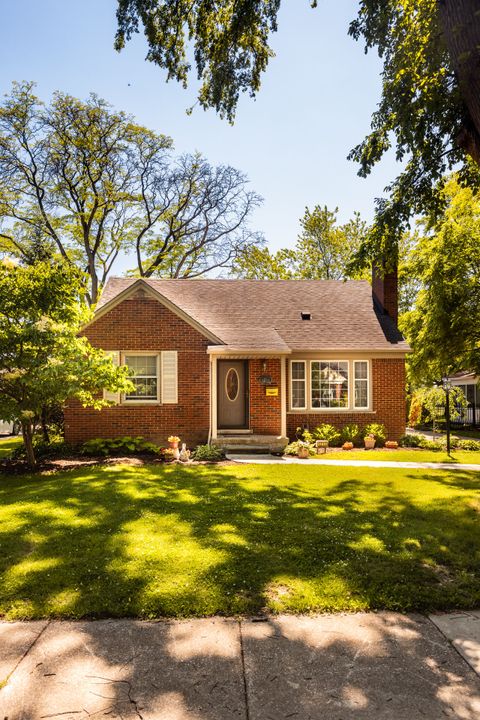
<point>53,465</point>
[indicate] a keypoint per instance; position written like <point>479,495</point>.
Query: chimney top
<point>385,289</point>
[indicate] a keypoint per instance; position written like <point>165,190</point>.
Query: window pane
<point>330,384</point>
<point>298,371</point>
<point>361,370</point>
<point>361,394</point>
<point>298,393</point>
<point>145,389</point>
<point>142,364</point>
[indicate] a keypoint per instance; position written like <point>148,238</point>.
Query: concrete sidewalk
<point>285,460</point>
<point>381,666</point>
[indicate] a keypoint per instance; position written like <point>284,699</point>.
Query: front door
<point>232,394</point>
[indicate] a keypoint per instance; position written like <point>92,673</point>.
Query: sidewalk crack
<point>5,681</point>
<point>244,674</point>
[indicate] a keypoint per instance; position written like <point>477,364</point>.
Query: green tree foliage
<point>429,111</point>
<point>84,183</point>
<point>444,326</point>
<point>42,359</point>
<point>322,252</point>
<point>325,248</point>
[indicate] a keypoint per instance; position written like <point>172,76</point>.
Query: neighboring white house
<point>6,428</point>
<point>470,384</point>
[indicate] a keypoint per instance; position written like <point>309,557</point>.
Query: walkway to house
<point>430,435</point>
<point>376,666</point>
<point>272,460</point>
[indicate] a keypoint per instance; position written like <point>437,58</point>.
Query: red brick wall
<point>265,418</point>
<point>141,323</point>
<point>385,290</point>
<point>388,391</point>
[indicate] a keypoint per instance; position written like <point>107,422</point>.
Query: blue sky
<point>315,103</point>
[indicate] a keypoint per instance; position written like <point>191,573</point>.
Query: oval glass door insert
<point>232,384</point>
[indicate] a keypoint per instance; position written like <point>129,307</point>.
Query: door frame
<point>246,365</point>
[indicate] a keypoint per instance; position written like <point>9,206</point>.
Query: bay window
<point>329,385</point>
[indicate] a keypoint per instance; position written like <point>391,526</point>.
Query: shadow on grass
<point>152,542</point>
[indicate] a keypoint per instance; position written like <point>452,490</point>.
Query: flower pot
<point>347,445</point>
<point>174,445</point>
<point>369,442</point>
<point>303,453</point>
<point>391,444</point>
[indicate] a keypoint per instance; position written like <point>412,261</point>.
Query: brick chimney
<point>385,289</point>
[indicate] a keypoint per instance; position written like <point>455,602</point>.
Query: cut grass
<point>8,445</point>
<point>156,541</point>
<point>463,457</point>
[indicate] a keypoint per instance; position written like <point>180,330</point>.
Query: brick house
<point>247,361</point>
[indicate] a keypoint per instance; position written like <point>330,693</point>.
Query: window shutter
<point>169,377</point>
<point>113,397</point>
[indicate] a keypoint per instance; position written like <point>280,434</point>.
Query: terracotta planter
<point>174,445</point>
<point>391,444</point>
<point>347,446</point>
<point>369,443</point>
<point>303,453</point>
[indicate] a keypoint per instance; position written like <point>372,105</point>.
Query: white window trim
<point>127,401</point>
<point>306,383</point>
<point>361,407</point>
<point>351,389</point>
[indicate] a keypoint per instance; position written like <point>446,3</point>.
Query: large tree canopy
<point>430,105</point>
<point>84,182</point>
<point>443,328</point>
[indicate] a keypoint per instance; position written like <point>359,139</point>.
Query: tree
<point>444,326</point>
<point>194,219</point>
<point>258,263</point>
<point>430,104</point>
<point>325,248</point>
<point>82,182</point>
<point>43,361</point>
<point>322,252</point>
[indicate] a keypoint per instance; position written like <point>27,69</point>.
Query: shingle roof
<point>267,313</point>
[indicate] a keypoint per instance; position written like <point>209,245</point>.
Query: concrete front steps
<point>249,443</point>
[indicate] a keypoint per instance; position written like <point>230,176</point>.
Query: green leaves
<point>43,361</point>
<point>444,326</point>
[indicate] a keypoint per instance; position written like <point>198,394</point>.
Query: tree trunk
<point>27,433</point>
<point>460,22</point>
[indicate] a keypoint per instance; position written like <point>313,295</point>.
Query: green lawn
<point>156,541</point>
<point>7,445</point>
<point>406,455</point>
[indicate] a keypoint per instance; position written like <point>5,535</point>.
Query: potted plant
<point>391,444</point>
<point>173,440</point>
<point>378,432</point>
<point>350,435</point>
